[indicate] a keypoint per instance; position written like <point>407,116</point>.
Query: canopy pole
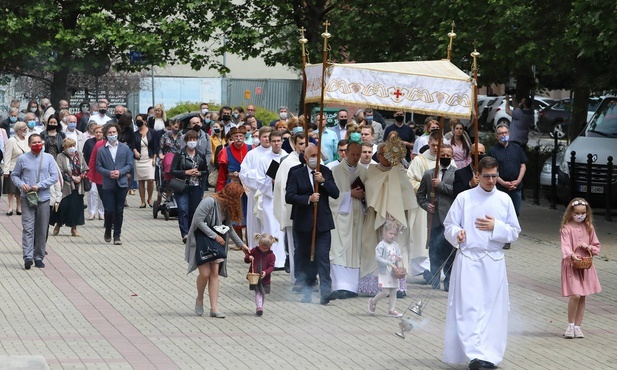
<point>474,68</point>
<point>303,41</point>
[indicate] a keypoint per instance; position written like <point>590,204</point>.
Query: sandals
<point>371,306</point>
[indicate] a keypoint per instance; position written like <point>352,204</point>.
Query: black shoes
<point>345,294</point>
<point>506,246</point>
<point>400,294</point>
<point>426,274</point>
<point>27,264</point>
<point>117,240</point>
<point>39,264</point>
<point>107,236</point>
<point>331,297</point>
<point>476,364</point>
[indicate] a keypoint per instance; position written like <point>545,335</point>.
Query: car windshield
<point>604,121</point>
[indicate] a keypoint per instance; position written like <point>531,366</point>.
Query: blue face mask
<point>297,129</point>
<point>505,138</point>
<point>13,119</point>
<point>355,137</point>
<point>72,125</point>
<point>31,124</point>
<point>369,118</point>
<point>112,138</point>
<point>208,120</point>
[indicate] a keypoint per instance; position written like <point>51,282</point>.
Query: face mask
<point>207,120</point>
<point>52,127</point>
<point>283,115</point>
<point>71,150</point>
<point>191,144</point>
<point>139,123</point>
<point>342,122</point>
<point>204,111</point>
<point>312,162</point>
<point>72,126</point>
<point>31,124</point>
<point>235,115</point>
<point>36,148</point>
<point>255,142</point>
<point>13,119</point>
<point>33,109</point>
<point>369,118</point>
<point>102,111</point>
<point>112,138</point>
<point>226,117</point>
<point>480,156</point>
<point>399,118</point>
<point>445,162</point>
<point>174,131</point>
<point>217,130</point>
<point>118,116</point>
<point>505,138</point>
<point>196,128</point>
<point>579,218</point>
<point>301,158</point>
<point>297,129</point>
<point>355,137</point>
<point>85,109</point>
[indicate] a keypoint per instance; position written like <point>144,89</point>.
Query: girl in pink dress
<point>578,238</point>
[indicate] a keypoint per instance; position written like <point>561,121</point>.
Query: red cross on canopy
<point>397,93</point>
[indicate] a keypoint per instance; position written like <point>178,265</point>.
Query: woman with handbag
<point>579,243</point>
<point>73,169</point>
<point>388,254</point>
<point>190,171</point>
<point>208,236</point>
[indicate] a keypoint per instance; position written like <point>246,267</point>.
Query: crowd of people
<point>352,209</point>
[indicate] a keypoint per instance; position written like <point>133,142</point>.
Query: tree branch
<point>34,77</point>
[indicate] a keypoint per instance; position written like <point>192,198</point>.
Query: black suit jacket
<point>298,191</point>
<point>462,177</point>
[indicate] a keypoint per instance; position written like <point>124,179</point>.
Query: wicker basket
<point>253,277</point>
<point>584,262</point>
<point>399,272</point>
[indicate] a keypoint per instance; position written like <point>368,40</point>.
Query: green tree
<point>50,39</point>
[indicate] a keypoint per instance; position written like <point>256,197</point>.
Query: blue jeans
<point>113,202</point>
<point>187,202</point>
<point>516,196</point>
<point>439,253</point>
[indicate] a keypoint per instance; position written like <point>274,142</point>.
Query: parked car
<point>497,114</point>
<point>545,173</point>
<point>598,140</point>
<point>483,102</point>
<point>554,119</point>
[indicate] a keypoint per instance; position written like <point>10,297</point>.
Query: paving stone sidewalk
<point>101,306</point>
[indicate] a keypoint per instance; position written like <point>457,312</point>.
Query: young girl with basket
<point>387,254</point>
<point>579,244</point>
<point>262,261</point>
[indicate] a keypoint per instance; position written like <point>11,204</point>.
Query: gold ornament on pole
<point>451,35</point>
<point>303,41</point>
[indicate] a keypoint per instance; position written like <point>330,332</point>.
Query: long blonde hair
<point>567,216</point>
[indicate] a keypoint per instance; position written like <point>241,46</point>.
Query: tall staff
<point>451,35</point>
<point>474,68</point>
<point>326,35</point>
<point>303,41</point>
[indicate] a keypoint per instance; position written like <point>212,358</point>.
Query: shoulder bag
<point>33,196</point>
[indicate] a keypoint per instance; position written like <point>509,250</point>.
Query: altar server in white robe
<point>282,210</point>
<point>480,221</point>
<point>254,177</point>
<point>348,212</point>
<point>419,221</point>
<point>265,194</point>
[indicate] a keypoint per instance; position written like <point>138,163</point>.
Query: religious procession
<point>349,211</point>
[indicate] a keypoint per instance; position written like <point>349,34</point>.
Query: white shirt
<point>100,120</point>
<point>113,149</point>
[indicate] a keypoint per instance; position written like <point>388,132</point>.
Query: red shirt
<point>93,175</point>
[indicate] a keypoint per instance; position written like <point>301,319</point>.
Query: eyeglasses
<point>579,203</point>
<point>490,175</point>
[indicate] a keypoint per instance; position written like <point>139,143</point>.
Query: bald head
<point>481,148</point>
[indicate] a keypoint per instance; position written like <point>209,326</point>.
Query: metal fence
<point>265,93</point>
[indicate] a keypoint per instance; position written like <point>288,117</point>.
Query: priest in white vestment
<point>348,213</point>
<point>254,177</point>
<point>269,223</point>
<point>419,221</point>
<point>282,210</point>
<point>387,197</point>
<point>480,221</point>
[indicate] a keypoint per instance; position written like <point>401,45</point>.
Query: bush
<point>262,114</point>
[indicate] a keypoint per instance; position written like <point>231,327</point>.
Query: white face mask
<point>283,115</point>
<point>71,150</point>
<point>579,218</point>
<point>312,162</point>
<point>255,142</point>
<point>204,111</point>
<point>192,144</point>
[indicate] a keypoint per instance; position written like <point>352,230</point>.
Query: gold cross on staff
<point>302,29</point>
<point>326,23</point>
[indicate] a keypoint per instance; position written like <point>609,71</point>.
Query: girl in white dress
<point>387,253</point>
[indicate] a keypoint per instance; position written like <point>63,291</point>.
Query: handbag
<point>585,262</point>
<point>399,272</point>
<point>33,196</point>
<point>87,184</point>
<point>207,249</point>
<point>177,185</point>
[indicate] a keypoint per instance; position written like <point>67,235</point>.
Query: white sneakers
<point>573,332</point>
<point>578,333</point>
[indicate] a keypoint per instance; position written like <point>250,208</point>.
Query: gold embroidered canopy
<point>427,87</point>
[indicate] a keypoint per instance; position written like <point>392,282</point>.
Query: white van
<point>599,138</point>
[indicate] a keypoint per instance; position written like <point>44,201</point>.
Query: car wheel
<point>558,128</point>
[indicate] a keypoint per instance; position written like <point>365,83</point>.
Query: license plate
<point>594,189</point>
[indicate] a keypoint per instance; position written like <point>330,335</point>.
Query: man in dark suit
<point>300,193</point>
<point>114,161</point>
<point>441,188</point>
<point>466,178</point>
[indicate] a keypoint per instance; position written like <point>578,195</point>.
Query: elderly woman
<point>15,146</point>
<point>215,209</point>
<point>73,169</point>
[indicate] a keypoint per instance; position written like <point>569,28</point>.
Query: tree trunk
<point>59,87</point>
<point>578,118</point>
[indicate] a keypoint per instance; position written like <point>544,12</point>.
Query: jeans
<point>35,224</point>
<point>113,202</point>
<point>516,196</point>
<point>439,252</point>
<point>307,271</point>
<point>187,202</point>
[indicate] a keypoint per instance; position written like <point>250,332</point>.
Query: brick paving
<point>101,306</point>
